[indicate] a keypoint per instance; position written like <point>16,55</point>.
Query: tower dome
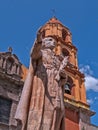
<point>54,20</point>
<point>55,28</point>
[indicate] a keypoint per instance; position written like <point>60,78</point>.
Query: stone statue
<point>41,105</point>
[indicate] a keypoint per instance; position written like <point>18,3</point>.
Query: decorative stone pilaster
<point>4,63</point>
<point>13,68</point>
<point>1,61</point>
<point>18,70</point>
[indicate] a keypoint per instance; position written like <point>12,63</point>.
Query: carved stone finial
<point>10,49</point>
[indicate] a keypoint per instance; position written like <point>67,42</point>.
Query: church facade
<point>13,74</point>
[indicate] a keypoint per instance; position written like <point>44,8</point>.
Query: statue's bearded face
<point>48,42</point>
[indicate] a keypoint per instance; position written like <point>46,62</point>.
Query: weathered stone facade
<point>10,89</point>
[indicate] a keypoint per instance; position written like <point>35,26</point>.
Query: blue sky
<point>20,20</point>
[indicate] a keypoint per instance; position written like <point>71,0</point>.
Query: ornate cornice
<point>77,106</point>
<point>73,69</point>
<point>14,78</point>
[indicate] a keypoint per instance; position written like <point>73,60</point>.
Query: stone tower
<point>77,110</point>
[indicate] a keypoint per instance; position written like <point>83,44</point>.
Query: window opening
<point>5,107</point>
<point>63,34</point>
<point>68,86</point>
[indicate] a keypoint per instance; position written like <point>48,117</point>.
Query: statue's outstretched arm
<point>64,63</point>
<point>61,71</point>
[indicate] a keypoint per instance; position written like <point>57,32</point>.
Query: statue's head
<point>48,42</point>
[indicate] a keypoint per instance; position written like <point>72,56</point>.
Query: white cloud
<point>91,83</point>
<point>90,101</point>
<point>86,70</point>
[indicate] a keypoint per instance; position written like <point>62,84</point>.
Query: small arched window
<point>5,109</point>
<point>68,86</point>
<point>43,34</point>
<point>65,52</point>
<point>64,33</point>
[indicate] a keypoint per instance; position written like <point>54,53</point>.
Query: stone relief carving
<point>41,106</point>
<point>10,64</point>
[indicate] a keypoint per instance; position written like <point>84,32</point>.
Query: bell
<point>67,89</point>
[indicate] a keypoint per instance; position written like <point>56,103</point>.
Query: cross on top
<point>54,12</point>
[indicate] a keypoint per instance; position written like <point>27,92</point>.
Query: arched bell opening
<point>68,86</point>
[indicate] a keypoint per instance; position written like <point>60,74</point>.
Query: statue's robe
<point>41,106</point>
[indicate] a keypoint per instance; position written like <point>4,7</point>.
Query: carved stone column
<point>13,68</point>
<point>4,63</point>
<point>18,69</point>
<point>1,61</point>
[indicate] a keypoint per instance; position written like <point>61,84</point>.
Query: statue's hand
<point>64,63</point>
<point>57,77</point>
<point>57,103</point>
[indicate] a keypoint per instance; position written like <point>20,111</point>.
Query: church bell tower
<point>77,109</point>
